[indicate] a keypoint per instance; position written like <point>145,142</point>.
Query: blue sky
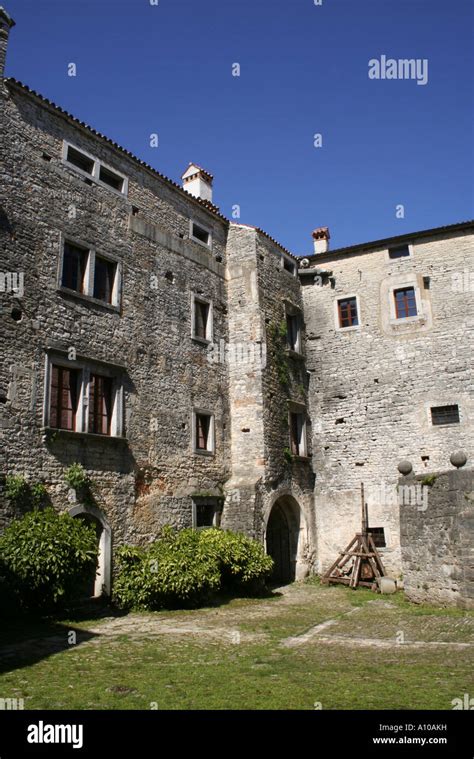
<point>167,69</point>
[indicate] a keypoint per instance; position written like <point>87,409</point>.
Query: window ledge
<point>418,319</point>
<point>201,243</point>
<point>354,328</point>
<point>49,432</point>
<point>88,299</point>
<point>302,459</point>
<point>201,340</point>
<point>200,452</point>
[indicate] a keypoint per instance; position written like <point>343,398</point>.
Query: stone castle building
<point>203,374</point>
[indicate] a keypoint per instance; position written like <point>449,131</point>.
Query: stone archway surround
<point>103,580</point>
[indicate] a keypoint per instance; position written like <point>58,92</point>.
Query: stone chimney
<point>321,240</point>
<point>6,23</point>
<point>198,182</point>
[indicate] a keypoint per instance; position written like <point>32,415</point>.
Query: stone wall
<point>148,478</point>
<point>372,386</point>
<point>438,543</point>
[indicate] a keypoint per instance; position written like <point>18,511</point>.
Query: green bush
<point>76,477</point>
<point>173,571</point>
<point>187,568</point>
<point>46,557</point>
<point>243,563</point>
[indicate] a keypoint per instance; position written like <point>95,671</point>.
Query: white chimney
<point>321,240</point>
<point>198,182</point>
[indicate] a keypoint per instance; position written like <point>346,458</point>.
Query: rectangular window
<point>200,233</point>
<point>445,414</point>
<point>100,404</point>
<point>203,432</point>
<point>401,251</point>
<point>104,279</point>
<point>63,398</point>
<point>378,536</point>
<point>289,265</point>
<point>111,178</point>
<point>405,303</point>
<point>347,309</point>
<point>293,332</point>
<point>298,434</point>
<point>80,160</point>
<point>201,319</point>
<point>205,513</point>
<point>75,261</point>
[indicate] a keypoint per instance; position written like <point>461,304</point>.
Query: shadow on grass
<point>26,639</point>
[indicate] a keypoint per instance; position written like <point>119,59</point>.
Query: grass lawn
<point>376,653</point>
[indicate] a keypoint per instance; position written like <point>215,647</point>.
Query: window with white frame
<point>200,233</point>
<point>405,302</point>
<point>85,272</point>
<point>347,312</point>
<point>95,168</point>
<point>201,319</point>
<point>297,424</point>
<point>203,431</point>
<point>82,396</point>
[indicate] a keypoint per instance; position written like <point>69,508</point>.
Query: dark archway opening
<point>279,545</point>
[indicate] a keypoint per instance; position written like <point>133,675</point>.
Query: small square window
<point>203,432</point>
<point>347,309</point>
<point>104,279</point>
<point>298,434</point>
<point>111,178</point>
<point>293,331</point>
<point>289,265</point>
<point>74,267</point>
<point>200,233</point>
<point>401,251</point>
<point>445,414</point>
<point>202,319</point>
<point>378,536</point>
<point>80,160</point>
<point>405,302</point>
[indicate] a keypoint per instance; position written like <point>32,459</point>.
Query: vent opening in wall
<point>16,314</point>
<point>445,414</point>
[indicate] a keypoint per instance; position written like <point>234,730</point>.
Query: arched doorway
<point>283,538</point>
<point>278,545</point>
<point>98,583</point>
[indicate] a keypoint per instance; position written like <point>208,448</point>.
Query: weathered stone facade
<point>361,396</point>
<point>438,544</point>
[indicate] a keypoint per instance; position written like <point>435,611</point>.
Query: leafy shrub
<point>76,477</point>
<point>187,568</point>
<point>16,489</point>
<point>243,563</point>
<point>173,571</point>
<point>46,557</point>
<point>38,495</point>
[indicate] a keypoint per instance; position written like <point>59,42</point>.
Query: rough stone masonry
<point>204,375</point>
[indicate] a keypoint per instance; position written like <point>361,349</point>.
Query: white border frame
<point>97,163</point>
<point>410,283</point>
<point>207,245</point>
<point>210,319</point>
<point>354,327</point>
<point>211,443</point>
<point>389,260</point>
